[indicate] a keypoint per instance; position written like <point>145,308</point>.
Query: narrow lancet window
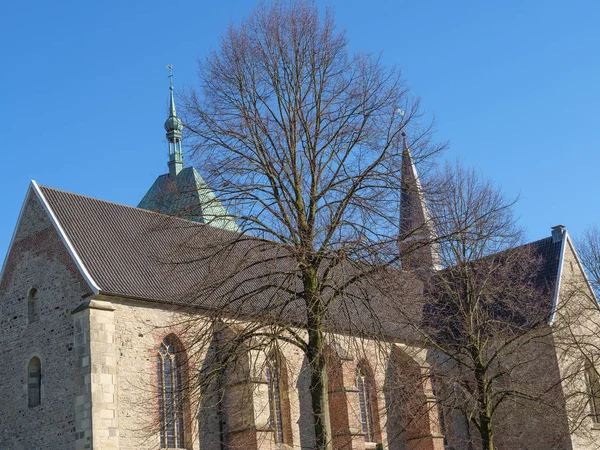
<point>170,408</point>
<point>34,382</point>
<point>32,306</point>
<point>593,382</point>
<point>274,382</point>
<point>364,398</point>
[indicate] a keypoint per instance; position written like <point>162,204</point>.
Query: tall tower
<point>173,127</point>
<point>418,246</point>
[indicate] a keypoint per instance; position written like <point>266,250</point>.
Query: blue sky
<point>514,87</point>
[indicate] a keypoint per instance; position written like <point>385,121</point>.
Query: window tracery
<point>170,408</point>
<point>276,416</point>
<point>363,384</point>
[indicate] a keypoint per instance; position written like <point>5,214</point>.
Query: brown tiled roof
<point>515,290</point>
<point>131,252</point>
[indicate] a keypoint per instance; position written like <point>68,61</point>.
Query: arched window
<point>170,410</point>
<point>363,384</point>
<point>34,381</point>
<point>32,306</point>
<point>593,382</point>
<point>277,399</point>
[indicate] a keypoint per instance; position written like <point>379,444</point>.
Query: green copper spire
<point>183,192</point>
<point>173,127</point>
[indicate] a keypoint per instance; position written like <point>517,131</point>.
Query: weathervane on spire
<point>170,77</point>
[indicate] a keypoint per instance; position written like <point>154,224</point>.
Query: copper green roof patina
<point>183,192</point>
<point>186,195</point>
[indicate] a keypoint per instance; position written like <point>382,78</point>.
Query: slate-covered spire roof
<point>417,231</point>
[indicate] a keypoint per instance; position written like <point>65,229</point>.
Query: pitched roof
<point>135,253</point>
<point>515,289</point>
<point>131,252</point>
<point>128,251</point>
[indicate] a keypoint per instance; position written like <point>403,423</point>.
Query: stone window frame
<point>171,364</point>
<point>34,383</point>
<point>367,403</point>
<point>33,305</point>
<point>365,386</point>
<point>278,398</point>
<point>592,378</point>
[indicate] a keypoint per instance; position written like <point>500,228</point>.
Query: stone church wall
<point>38,260</point>
<point>99,373</point>
<point>140,328</point>
<point>577,338</point>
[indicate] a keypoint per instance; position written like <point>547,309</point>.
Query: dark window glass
<point>275,417</point>
<point>364,400</point>
<point>34,382</point>
<point>32,306</point>
<point>593,382</point>
<point>169,397</point>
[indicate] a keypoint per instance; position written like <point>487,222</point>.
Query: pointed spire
<point>174,127</point>
<point>172,110</point>
<point>416,227</point>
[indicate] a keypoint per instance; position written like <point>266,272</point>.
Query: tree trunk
<point>486,431</point>
<point>318,389</point>
<point>317,363</point>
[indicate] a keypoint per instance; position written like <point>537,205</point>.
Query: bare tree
<point>589,253</point>
<point>303,143</point>
<point>487,308</point>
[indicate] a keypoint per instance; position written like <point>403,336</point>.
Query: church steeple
<point>417,231</point>
<point>173,127</point>
<point>183,192</point>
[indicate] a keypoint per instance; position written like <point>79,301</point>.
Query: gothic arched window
<point>278,407</point>
<point>363,384</point>
<point>34,381</point>
<point>170,410</point>
<point>593,383</point>
<point>32,306</point>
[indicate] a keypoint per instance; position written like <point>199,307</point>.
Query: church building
<point>95,312</point>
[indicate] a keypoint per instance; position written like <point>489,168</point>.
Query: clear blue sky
<point>514,86</point>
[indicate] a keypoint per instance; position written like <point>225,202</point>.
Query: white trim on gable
<point>63,236</point>
<point>567,240</point>
<point>563,246</point>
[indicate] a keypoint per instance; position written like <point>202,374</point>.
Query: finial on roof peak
<point>170,67</point>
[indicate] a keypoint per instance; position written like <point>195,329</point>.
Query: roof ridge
<point>191,222</point>
<point>538,241</point>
